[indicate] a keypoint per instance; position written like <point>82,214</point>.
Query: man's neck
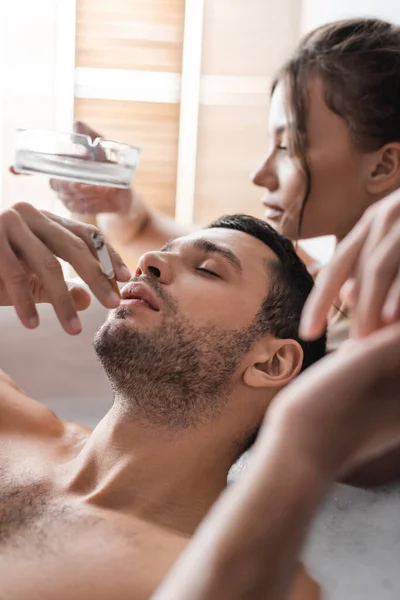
<point>168,478</point>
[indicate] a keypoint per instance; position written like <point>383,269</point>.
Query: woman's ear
<point>384,170</point>
<point>275,365</point>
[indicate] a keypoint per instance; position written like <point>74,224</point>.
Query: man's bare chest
<point>59,547</point>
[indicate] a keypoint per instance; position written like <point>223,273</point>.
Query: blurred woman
<point>333,151</point>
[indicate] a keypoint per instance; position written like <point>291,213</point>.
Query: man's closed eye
<point>208,272</point>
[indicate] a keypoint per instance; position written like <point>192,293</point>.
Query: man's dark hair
<point>281,310</point>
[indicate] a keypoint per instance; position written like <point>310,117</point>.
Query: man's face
<point>186,321</point>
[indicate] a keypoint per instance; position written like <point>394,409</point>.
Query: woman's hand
<point>365,271</point>
<point>30,241</point>
<point>345,410</point>
<point>82,198</point>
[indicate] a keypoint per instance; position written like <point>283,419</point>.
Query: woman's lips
<point>272,213</point>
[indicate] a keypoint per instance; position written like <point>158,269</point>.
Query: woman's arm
<point>322,425</point>
<point>122,214</point>
<point>248,545</point>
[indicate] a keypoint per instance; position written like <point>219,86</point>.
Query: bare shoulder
<point>19,412</point>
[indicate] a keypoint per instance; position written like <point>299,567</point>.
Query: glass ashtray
<point>75,157</point>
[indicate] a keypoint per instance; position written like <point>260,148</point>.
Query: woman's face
<point>337,197</point>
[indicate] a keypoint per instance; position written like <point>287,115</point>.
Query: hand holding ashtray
<point>75,157</point>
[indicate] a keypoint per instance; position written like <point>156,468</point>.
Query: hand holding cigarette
<point>30,242</point>
<point>105,261</point>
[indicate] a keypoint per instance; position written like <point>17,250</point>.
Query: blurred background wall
<point>187,80</point>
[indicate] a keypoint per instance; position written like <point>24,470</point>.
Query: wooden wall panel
<point>130,34</point>
<point>248,37</point>
<point>231,145</point>
<point>244,43</point>
<point>153,127</point>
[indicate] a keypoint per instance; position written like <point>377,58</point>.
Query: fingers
<point>80,297</point>
<point>75,250</point>
<point>391,309</point>
<point>14,172</point>
<point>376,279</point>
<point>83,198</point>
<point>122,273</point>
<point>349,293</point>
<point>15,289</point>
<point>73,190</point>
<point>85,232</point>
<point>347,404</point>
<point>36,294</point>
<point>83,128</point>
<point>42,262</point>
<point>19,243</point>
<point>86,206</point>
<point>330,281</point>
<point>32,238</point>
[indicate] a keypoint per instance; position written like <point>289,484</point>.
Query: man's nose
<point>154,264</point>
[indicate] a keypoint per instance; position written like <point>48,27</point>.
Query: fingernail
<point>389,311</point>
<point>33,322</point>
<point>75,325</point>
<point>114,298</point>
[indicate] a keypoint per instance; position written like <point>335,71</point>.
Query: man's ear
<point>275,364</point>
<point>384,170</point>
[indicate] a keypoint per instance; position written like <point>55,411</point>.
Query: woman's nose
<point>266,177</point>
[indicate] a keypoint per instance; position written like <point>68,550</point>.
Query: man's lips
<point>141,292</point>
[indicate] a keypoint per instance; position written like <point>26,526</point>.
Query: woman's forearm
<point>248,546</point>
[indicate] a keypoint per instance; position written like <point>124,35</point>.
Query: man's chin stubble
<point>172,376</point>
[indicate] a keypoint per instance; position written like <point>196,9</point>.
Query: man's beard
<point>174,375</point>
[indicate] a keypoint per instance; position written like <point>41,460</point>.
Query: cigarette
<point>105,259</point>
